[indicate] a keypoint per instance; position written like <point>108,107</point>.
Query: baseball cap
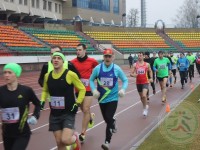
<point>108,51</point>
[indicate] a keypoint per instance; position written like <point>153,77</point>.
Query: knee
<point>86,109</point>
<point>66,141</point>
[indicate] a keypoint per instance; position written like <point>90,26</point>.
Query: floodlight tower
<point>143,13</point>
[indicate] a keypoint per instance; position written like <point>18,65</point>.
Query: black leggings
<point>16,143</point>
<point>108,111</point>
<point>183,75</point>
<point>191,71</point>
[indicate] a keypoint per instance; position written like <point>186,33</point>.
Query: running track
<point>132,127</point>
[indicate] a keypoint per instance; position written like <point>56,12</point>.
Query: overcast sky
<point>157,9</point>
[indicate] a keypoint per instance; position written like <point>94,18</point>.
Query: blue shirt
<point>113,96</point>
<point>183,64</point>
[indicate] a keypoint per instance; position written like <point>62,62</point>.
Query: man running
<point>48,67</point>
<point>140,71</point>
<point>174,66</point>
<point>85,65</point>
<point>107,93</point>
<point>162,67</point>
<point>14,103</point>
<point>183,65</point>
<point>59,84</point>
<point>191,59</point>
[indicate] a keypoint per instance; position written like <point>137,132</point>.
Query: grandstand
<point>31,27</point>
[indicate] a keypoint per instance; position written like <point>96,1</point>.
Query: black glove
<point>42,103</point>
<point>178,68</point>
<point>75,108</point>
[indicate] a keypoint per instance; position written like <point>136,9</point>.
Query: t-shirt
<point>162,66</point>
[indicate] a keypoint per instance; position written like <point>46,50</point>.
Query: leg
<point>163,88</point>
<point>21,143</point>
<point>8,142</point>
<point>182,76</point>
<point>108,110</point>
<point>190,73</point>
<point>85,107</point>
<point>58,138</point>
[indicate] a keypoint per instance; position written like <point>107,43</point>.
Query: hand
<point>96,93</point>
<point>178,68</point>
<point>121,93</point>
<point>42,103</point>
<point>32,120</point>
<point>75,108</point>
<point>133,75</point>
<point>150,80</point>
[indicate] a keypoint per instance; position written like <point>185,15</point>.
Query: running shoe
<point>82,137</point>
<point>145,112</point>
<point>164,100</point>
<point>76,145</point>
<point>154,92</point>
<point>105,146</point>
<point>91,122</point>
<point>114,130</point>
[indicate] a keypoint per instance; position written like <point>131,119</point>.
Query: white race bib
<point>162,66</point>
<point>141,71</point>
<point>107,82</point>
<point>57,102</point>
<point>10,115</point>
<point>182,64</point>
<point>85,82</point>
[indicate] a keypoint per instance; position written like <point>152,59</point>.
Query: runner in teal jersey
<point>162,67</point>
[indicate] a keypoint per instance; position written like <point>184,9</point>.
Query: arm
<point>93,77</point>
<point>74,79</point>
<point>123,78</point>
<point>45,91</point>
<point>42,74</point>
<point>150,72</point>
<point>36,102</point>
<point>133,71</point>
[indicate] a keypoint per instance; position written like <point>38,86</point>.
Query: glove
<point>42,103</point>
<point>96,94</point>
<point>32,120</point>
<point>121,93</point>
<point>75,108</point>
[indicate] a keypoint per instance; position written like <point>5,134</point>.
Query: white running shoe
<point>145,111</point>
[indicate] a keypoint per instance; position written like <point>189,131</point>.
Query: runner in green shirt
<point>162,67</point>
<point>191,59</point>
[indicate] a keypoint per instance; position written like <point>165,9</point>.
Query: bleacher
<point>17,41</point>
<point>186,40</point>
<point>130,42</point>
<point>67,39</point>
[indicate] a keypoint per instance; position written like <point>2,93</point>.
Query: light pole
<point>123,15</point>
<point>198,16</point>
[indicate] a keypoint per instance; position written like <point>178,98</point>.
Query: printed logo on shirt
<point>20,96</point>
<point>111,75</point>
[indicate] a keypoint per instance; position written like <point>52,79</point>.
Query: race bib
<point>107,82</point>
<point>162,66</point>
<point>182,64</point>
<point>85,81</point>
<point>141,71</point>
<point>10,115</point>
<point>57,102</point>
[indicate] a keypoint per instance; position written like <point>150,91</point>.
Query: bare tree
<point>187,14</point>
<point>133,17</point>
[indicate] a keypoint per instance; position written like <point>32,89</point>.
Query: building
<point>99,11</point>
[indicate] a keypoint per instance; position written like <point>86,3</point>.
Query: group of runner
<point>162,68</point>
<point>68,85</point>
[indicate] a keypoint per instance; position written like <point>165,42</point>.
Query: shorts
<point>140,87</point>
<point>161,78</point>
<point>60,122</point>
<point>88,93</point>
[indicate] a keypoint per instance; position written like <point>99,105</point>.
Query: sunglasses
<point>107,56</point>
